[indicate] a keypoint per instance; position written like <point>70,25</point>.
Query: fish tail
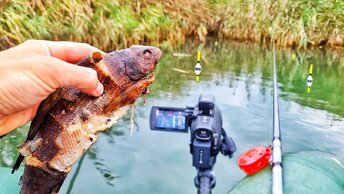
<point>17,164</point>
<point>41,180</point>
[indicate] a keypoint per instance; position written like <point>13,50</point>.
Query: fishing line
<point>269,127</point>
<point>72,180</point>
<point>132,119</point>
<point>270,112</point>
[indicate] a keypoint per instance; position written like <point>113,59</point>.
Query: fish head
<point>133,71</point>
<point>133,64</point>
<point>139,67</point>
<point>139,64</point>
<point>141,61</point>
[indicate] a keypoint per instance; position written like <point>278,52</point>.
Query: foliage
<point>105,24</point>
<point>294,23</point>
<point>116,24</point>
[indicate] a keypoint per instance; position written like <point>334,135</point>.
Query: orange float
<point>254,159</point>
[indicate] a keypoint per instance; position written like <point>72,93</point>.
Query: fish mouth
<point>145,82</point>
<point>150,77</point>
<point>158,57</point>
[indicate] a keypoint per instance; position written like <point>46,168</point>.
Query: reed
<point>105,24</point>
<point>113,24</point>
<point>291,23</point>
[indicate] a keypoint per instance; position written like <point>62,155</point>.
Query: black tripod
<point>204,161</point>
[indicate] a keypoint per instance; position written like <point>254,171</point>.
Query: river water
<point>240,77</point>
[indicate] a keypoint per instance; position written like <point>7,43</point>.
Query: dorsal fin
<point>36,123</point>
<point>125,98</point>
<point>42,112</point>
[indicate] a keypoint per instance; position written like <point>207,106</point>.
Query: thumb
<point>67,75</point>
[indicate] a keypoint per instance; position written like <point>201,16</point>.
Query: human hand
<point>31,71</point>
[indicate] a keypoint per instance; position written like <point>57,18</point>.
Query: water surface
<point>239,76</point>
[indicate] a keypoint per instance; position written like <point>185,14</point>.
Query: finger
<point>67,75</point>
<point>10,122</point>
<point>71,52</point>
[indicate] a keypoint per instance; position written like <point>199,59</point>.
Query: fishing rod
<point>277,173</point>
<point>256,158</point>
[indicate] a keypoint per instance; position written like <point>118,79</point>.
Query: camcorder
<point>208,137</point>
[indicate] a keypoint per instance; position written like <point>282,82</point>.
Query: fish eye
<point>147,54</point>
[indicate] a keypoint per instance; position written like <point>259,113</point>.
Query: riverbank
<point>106,24</point>
<point>291,23</point>
<point>116,24</point>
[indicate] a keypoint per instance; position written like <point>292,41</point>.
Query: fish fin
<point>96,57</point>
<point>122,100</point>
<point>42,112</point>
<point>91,60</point>
<point>17,164</point>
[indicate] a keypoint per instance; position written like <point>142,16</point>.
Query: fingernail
<point>100,89</point>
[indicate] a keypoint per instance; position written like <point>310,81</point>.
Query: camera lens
<point>203,134</point>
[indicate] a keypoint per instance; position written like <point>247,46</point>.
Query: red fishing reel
<point>254,159</point>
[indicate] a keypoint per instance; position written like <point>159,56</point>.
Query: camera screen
<point>170,119</point>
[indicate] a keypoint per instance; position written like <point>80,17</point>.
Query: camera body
<point>207,138</point>
<point>205,127</point>
<point>205,123</point>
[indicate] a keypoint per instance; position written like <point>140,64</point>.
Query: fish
<point>68,121</point>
